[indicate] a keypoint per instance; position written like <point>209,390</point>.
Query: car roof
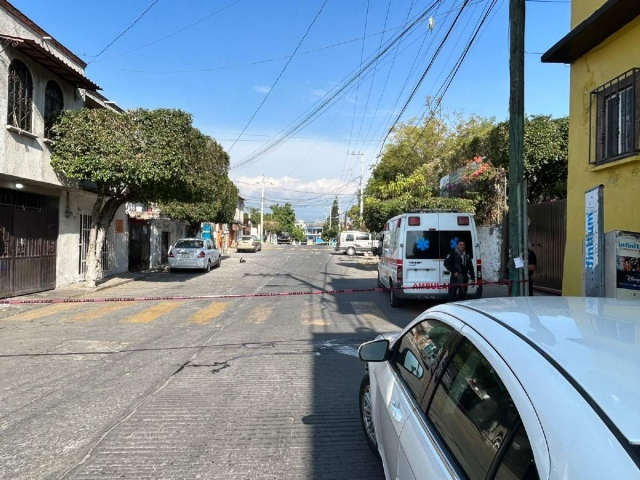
<point>593,342</point>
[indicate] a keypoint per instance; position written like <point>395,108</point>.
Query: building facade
<point>43,216</point>
<point>604,136</point>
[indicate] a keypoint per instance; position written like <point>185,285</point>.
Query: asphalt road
<point>236,389</point>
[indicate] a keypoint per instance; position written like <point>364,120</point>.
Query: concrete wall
<point>68,258</point>
<point>490,238</point>
<point>176,231</point>
<point>20,155</point>
<point>612,58</point>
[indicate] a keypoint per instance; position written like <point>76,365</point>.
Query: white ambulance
<point>413,251</point>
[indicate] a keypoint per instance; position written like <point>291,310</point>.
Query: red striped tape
<point>442,286</point>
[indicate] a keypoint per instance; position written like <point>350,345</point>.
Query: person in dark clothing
<point>459,263</point>
<point>533,264</point>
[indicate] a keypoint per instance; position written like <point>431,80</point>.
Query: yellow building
<point>603,49</point>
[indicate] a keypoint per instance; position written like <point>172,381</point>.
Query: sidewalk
<point>77,290</point>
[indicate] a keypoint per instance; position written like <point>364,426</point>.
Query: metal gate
<point>139,245</point>
<point>547,235</point>
<point>164,254</point>
<point>107,249</point>
<point>28,242</point>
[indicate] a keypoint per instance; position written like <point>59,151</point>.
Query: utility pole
<point>518,250</point>
<point>361,155</point>
<point>262,208</point>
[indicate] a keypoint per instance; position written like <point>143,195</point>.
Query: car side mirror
<point>375,351</point>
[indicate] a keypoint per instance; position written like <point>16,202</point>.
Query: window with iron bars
<point>615,119</point>
<point>53,105</point>
<point>20,104</point>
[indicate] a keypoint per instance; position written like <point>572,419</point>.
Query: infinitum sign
<point>594,243</point>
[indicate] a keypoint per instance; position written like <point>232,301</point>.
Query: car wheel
<point>218,263</point>
<point>351,251</point>
<point>207,269</point>
<point>395,301</point>
<point>255,249</point>
<point>366,415</point>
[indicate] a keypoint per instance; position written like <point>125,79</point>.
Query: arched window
<point>53,105</point>
<point>20,103</point>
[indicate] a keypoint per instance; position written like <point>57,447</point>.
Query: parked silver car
<point>536,388</point>
<point>194,253</point>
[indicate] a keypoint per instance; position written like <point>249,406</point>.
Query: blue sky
<point>203,70</point>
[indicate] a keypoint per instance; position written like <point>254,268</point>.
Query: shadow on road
<point>339,448</point>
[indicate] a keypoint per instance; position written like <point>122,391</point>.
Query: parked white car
<point>194,253</point>
<point>527,388</point>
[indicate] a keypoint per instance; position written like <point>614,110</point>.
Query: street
<point>235,388</point>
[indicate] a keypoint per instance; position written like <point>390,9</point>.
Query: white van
<point>414,248</point>
<point>352,242</point>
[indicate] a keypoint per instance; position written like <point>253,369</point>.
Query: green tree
<point>135,156</point>
<point>377,212</point>
<point>298,234</point>
<point>546,155</point>
<point>332,226</point>
<point>284,216</point>
<point>335,213</point>
<point>216,191</point>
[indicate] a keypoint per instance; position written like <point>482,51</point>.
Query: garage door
<point>28,242</point>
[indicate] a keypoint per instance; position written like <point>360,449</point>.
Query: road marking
<point>97,312</point>
<point>151,313</point>
<point>41,312</point>
<point>369,313</point>
<point>312,315</point>
<point>205,315</point>
<point>319,323</point>
<point>259,315</point>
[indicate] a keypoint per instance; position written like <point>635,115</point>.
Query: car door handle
<point>396,412</point>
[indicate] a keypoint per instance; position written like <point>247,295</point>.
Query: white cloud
<point>262,89</point>
<point>318,92</point>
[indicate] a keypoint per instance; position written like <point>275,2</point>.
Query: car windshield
<point>189,243</point>
<point>246,239</point>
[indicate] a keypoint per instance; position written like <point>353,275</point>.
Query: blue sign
<point>206,231</point>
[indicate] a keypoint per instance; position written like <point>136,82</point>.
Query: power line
<point>322,104</point>
<point>303,191</point>
<point>317,109</point>
<point>322,135</point>
<point>393,109</point>
<point>355,104</point>
<point>375,70</point>
<point>172,34</point>
<point>125,31</point>
<point>449,80</point>
<point>386,82</point>
<point>280,75</point>
<point>249,64</point>
<point>424,75</point>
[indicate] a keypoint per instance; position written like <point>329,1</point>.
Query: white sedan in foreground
<point>194,253</point>
<point>522,389</point>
